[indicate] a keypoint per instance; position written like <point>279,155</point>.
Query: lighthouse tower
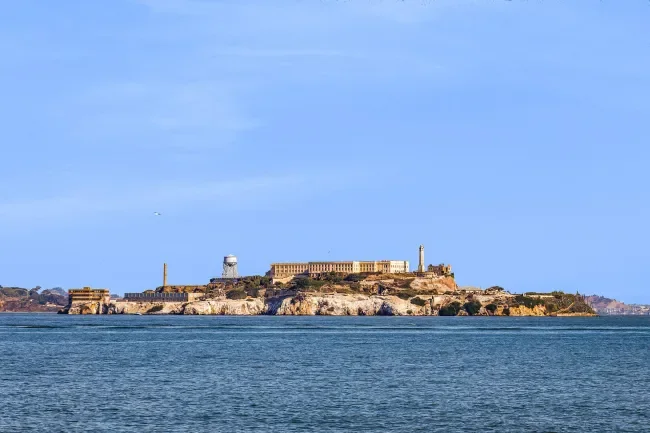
<point>421,261</point>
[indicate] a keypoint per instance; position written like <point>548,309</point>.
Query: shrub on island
<point>528,301</point>
<point>450,310</point>
<point>308,284</point>
<point>418,301</point>
<point>472,307</point>
<point>355,278</point>
<point>492,308</point>
<point>236,294</point>
<point>253,292</point>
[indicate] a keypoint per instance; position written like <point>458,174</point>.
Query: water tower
<point>230,267</point>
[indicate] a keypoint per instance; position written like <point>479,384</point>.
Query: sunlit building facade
<point>283,270</point>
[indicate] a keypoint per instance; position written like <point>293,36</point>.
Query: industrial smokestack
<point>164,274</point>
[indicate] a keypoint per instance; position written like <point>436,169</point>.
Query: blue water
<point>325,374</point>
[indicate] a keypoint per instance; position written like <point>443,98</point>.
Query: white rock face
<point>334,304</point>
<point>304,304</point>
<point>244,307</point>
<point>348,305</point>
<point>87,308</point>
<point>145,307</point>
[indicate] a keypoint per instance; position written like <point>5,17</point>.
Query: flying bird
<point>157,213</point>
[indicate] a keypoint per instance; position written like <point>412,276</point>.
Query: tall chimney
<point>164,274</point>
<point>421,261</point>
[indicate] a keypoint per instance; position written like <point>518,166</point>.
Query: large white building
<point>283,270</point>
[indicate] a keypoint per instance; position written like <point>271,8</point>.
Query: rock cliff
<point>348,295</point>
<point>333,304</point>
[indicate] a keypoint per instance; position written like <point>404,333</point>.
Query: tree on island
<point>33,293</point>
<point>451,309</point>
<point>472,307</point>
<point>302,283</point>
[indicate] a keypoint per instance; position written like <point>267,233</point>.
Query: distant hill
<point>608,306</point>
<point>56,291</point>
<point>18,299</point>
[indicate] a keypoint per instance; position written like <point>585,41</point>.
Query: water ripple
<point>326,374</point>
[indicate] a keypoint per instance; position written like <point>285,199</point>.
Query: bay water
<point>323,374</point>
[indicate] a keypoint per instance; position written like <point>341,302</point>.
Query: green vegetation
<point>332,277</point>
<point>560,301</point>
<point>257,286</point>
<point>565,302</point>
<point>354,278</point>
<point>418,301</point>
<point>256,281</point>
<point>528,301</point>
<point>307,284</point>
<point>450,310</point>
<point>580,306</point>
<point>492,308</point>
<point>252,286</point>
<point>236,294</point>
<point>253,292</point>
<point>506,311</point>
<point>472,307</point>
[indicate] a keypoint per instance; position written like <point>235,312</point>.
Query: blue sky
<point>509,137</point>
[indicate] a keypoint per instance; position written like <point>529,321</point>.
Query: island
<point>332,293</point>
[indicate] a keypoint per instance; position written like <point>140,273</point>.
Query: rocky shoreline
<point>328,304</point>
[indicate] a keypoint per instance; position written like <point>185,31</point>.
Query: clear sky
<point>511,138</point>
